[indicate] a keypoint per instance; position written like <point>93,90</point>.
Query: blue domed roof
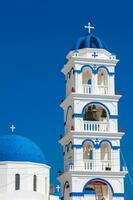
<point>89,41</point>
<point>20,149</point>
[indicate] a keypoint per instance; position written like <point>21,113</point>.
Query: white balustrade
<point>87,89</point>
<point>97,126</point>
<point>106,165</point>
<point>92,165</point>
<point>88,165</point>
<point>100,89</point>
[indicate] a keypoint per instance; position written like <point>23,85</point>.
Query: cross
<point>58,188</point>
<point>94,54</point>
<point>12,128</point>
<point>89,27</point>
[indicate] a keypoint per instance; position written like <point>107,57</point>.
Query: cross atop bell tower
<point>89,27</point>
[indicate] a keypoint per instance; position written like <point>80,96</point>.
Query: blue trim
<point>94,71</point>
<point>81,194</point>
<point>96,146</point>
<point>101,180</point>
<point>118,195</point>
<point>77,146</point>
<point>79,115</point>
<point>76,194</point>
<point>107,141</point>
<point>88,140</point>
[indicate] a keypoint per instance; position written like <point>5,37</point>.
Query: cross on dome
<point>12,127</point>
<point>89,27</point>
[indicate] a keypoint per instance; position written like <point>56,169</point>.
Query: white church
<point>91,140</point>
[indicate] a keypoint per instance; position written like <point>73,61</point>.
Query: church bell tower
<point>91,140</point>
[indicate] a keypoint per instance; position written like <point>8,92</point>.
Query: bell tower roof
<point>89,41</point>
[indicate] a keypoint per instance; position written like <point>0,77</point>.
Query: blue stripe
<point>81,194</point>
<point>94,71</point>
<point>79,115</point>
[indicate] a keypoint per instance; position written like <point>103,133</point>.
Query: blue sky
<point>35,37</point>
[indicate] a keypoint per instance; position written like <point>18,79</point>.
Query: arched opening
<point>88,151</point>
<point>100,189</point>
<point>66,190</point>
<point>69,120</point>
<point>95,112</point>
<point>106,156</point>
<point>88,155</point>
<point>102,81</point>
<point>95,118</point>
<point>35,183</point>
<point>87,81</point>
<point>17,181</point>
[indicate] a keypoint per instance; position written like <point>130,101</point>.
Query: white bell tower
<point>91,142</point>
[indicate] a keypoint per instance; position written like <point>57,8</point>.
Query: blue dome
<point>20,149</point>
<point>89,41</point>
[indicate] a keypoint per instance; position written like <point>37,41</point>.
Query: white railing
<point>97,126</point>
<point>102,89</point>
<point>99,89</point>
<point>88,165</point>
<point>87,89</point>
<point>92,165</point>
<point>106,165</point>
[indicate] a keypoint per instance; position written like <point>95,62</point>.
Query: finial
<point>89,27</point>
<point>12,127</point>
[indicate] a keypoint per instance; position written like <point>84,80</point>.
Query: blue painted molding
<point>81,194</point>
<point>95,145</point>
<point>79,115</point>
<point>118,195</point>
<point>76,194</point>
<point>93,70</point>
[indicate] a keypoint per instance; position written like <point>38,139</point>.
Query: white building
<point>91,142</point>
<point>24,173</point>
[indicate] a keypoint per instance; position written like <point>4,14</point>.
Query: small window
<point>17,182</point>
<point>34,183</point>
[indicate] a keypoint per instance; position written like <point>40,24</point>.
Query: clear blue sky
<point>35,37</point>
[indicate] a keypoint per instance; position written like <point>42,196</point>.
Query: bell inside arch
<point>94,109</point>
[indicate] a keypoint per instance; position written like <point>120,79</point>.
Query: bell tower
<point>91,140</point>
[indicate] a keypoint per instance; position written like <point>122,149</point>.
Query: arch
<point>95,70</point>
<point>95,112</point>
<point>17,181</point>
<point>106,152</point>
<point>87,67</point>
<point>105,68</point>
<point>105,141</point>
<point>69,73</point>
<point>70,145</point>
<point>98,103</point>
<point>88,148</point>
<point>66,186</point>
<point>87,76</point>
<point>88,140</point>
<point>101,180</point>
<point>35,183</point>
<point>69,107</point>
<point>102,77</point>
